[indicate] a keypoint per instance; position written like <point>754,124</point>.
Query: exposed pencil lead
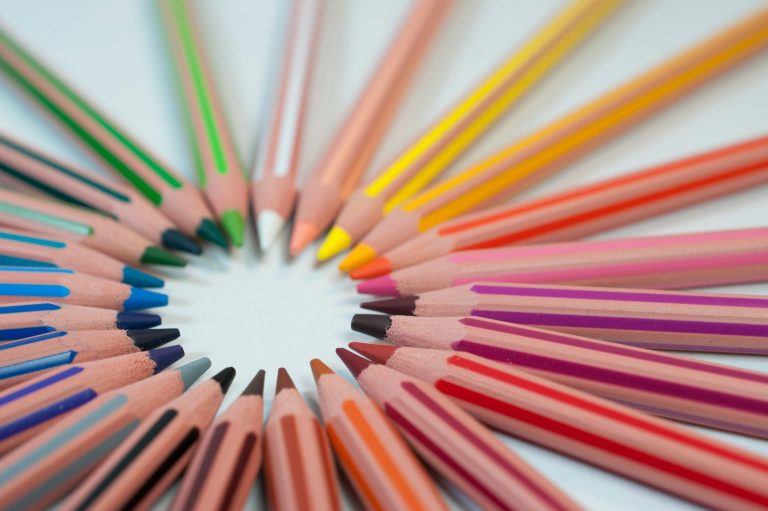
<point>319,368</point>
<point>403,306</point>
<point>355,363</point>
<point>378,353</point>
<point>224,378</point>
<point>375,325</point>
<point>256,386</point>
<point>284,380</point>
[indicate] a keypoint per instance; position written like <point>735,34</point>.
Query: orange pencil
<point>383,470</point>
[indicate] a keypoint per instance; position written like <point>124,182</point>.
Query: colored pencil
<point>25,358</point>
<point>298,467</point>
<point>681,388</point>
<point>338,171</point>
<point>611,436</point>
<point>154,454</point>
<point>31,406</point>
<point>47,467</point>
<point>442,143</point>
<point>179,200</point>
<point>225,466</point>
<point>273,192</point>
<point>18,248</point>
<point>66,286</point>
<point>589,209</point>
<point>453,443</point>
<point>26,319</point>
<point>381,467</point>
<point>32,169</point>
<point>218,170</point>
<point>94,230</point>
<point>552,148</point>
<point>649,319</point>
<point>658,262</point>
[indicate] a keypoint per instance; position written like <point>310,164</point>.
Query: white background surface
<point>265,312</point>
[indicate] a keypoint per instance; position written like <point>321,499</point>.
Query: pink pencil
<point>611,436</point>
<point>659,262</point>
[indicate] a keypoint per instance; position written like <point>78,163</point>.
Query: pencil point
<point>135,320</point>
<point>378,353</point>
<point>234,225</point>
<point>375,325</point>
<point>268,225</point>
<point>138,278</point>
<point>384,285</point>
<point>224,378</point>
<point>376,268</point>
<point>156,255</point>
<point>355,363</point>
<point>194,370</point>
<point>143,299</point>
<point>359,256</point>
<point>151,338</point>
<point>164,357</point>
<point>209,231</point>
<point>302,235</point>
<point>284,380</point>
<point>337,240</point>
<point>319,368</point>
<point>403,305</point>
<point>175,240</point>
<point>256,386</point>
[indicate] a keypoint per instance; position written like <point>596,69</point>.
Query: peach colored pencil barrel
<point>611,436</point>
<point>455,444</point>
<point>552,148</point>
<point>37,474</point>
<point>153,456</point>
<point>298,468</point>
<point>274,174</point>
<point>224,468</point>
<point>340,168</point>
<point>384,472</point>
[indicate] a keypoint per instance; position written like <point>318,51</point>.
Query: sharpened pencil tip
<point>382,286</point>
<point>302,235</point>
<point>355,363</point>
<point>375,325</point>
<point>268,225</point>
<point>319,368</point>
<point>376,268</point>
<point>194,370</point>
<point>256,386</point>
<point>138,278</point>
<point>359,256</point>
<point>224,378</point>
<point>143,299</point>
<point>209,231</point>
<point>148,339</point>
<point>284,380</point>
<point>164,357</point>
<point>403,305</point>
<point>135,320</point>
<point>156,255</point>
<point>234,225</point>
<point>175,240</point>
<point>378,353</point>
<point>337,241</point>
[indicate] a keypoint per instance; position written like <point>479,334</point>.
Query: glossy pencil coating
<point>653,319</point>
<point>50,465</point>
<point>32,169</point>
<point>224,468</point>
<point>218,169</point>
<point>26,319</point>
<point>31,406</point>
<point>298,467</point>
<point>274,173</point>
<point>381,467</point>
<point>155,453</point>
<point>453,443</point>
<point>338,171</point>
<point>67,286</point>
<point>589,209</point>
<point>656,262</point>
<point>550,149</point>
<point>611,436</point>
<point>180,201</point>
<point>443,142</point>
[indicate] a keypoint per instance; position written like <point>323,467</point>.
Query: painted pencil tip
<point>319,368</point>
<point>135,320</point>
<point>337,241</point>
<point>302,235</point>
<point>149,339</point>
<point>359,256</point>
<point>376,268</point>
<point>375,325</point>
<point>378,353</point>
<point>284,380</point>
<point>355,363</point>
<point>194,370</point>
<point>234,225</point>
<point>256,386</point>
<point>137,278</point>
<point>268,224</point>
<point>156,255</point>
<point>143,299</point>
<point>383,286</point>
<point>209,231</point>
<point>175,240</point>
<point>224,378</point>
<point>164,357</point>
<point>403,305</point>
